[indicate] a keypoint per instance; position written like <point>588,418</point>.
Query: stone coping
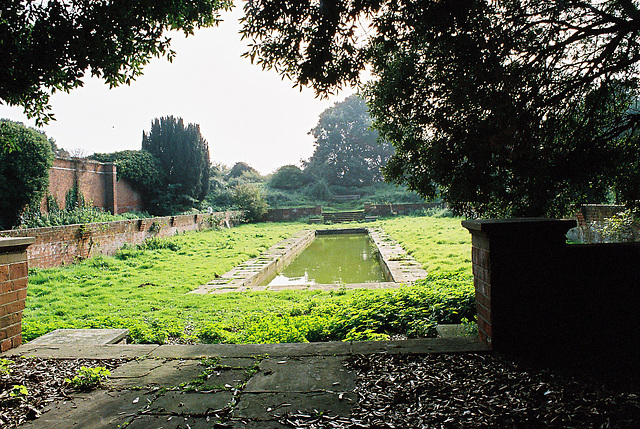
<point>332,348</point>
<point>8,243</point>
<point>398,266</point>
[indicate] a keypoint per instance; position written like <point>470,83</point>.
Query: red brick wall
<point>13,290</point>
<point>96,181</point>
<point>127,198</point>
<point>66,244</point>
<point>276,215</point>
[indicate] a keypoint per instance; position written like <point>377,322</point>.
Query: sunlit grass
<point>145,291</point>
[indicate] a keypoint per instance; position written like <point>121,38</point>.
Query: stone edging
<point>398,265</point>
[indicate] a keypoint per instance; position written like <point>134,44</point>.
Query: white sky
<point>245,113</point>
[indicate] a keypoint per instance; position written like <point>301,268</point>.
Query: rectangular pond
<point>338,258</point>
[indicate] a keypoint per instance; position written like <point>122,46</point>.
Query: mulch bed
<point>44,381</point>
<point>473,391</point>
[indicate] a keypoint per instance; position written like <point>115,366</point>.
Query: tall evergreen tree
<point>183,154</point>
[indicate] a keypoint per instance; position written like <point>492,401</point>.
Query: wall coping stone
<point>11,243</point>
<point>520,226</point>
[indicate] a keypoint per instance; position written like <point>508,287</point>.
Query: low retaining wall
<point>278,215</point>
<point>62,245</point>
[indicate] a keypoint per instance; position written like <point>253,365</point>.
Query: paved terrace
<point>242,386</point>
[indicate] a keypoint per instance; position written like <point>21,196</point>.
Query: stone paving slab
<point>81,337</point>
<point>250,350</point>
<point>245,386</point>
<point>302,374</point>
<point>115,351</point>
<point>420,346</point>
<point>155,372</point>
<point>95,410</point>
<point>191,403</point>
<point>270,406</point>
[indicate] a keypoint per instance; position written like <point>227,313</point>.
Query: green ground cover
<point>145,290</point>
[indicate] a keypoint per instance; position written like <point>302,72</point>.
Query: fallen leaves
<point>472,391</point>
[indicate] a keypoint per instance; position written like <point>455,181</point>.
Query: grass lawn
<point>145,290</point>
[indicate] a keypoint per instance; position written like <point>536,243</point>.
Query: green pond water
<point>340,258</point>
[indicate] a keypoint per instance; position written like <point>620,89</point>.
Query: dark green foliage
<point>75,215</point>
<point>24,170</point>
<point>138,167</point>
<point>347,150</point>
<point>288,177</point>
<point>49,46</point>
<point>413,311</point>
<point>242,168</point>
<point>184,159</point>
<point>498,148</point>
<point>504,108</point>
<point>249,197</point>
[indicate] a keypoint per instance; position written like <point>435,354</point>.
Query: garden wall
<point>62,245</point>
<point>394,209</point>
<point>540,299</point>
<point>96,181</point>
<point>593,228</point>
<point>278,215</point>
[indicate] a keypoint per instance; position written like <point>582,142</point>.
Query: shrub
<point>25,160</point>
<point>77,215</point>
<point>249,198</point>
<point>288,177</point>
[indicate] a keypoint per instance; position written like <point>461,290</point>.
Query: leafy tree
<point>508,107</point>
<point>242,168</point>
<point>49,46</point>
<point>250,198</point>
<point>347,151</point>
<point>138,167</point>
<point>288,177</point>
<point>24,171</point>
<point>183,155</point>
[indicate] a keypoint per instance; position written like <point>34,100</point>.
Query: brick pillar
<point>110,188</point>
<point>13,289</point>
<point>514,261</point>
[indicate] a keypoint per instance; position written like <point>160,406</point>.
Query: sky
<point>245,114</point>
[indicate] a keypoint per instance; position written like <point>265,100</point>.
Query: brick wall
<point>393,209</point>
<point>13,290</point>
<point>127,198</point>
<point>568,306</point>
<point>277,215</point>
<point>95,180</point>
<point>58,245</point>
<point>597,212</point>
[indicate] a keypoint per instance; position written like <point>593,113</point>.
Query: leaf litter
<point>43,379</point>
<point>472,391</point>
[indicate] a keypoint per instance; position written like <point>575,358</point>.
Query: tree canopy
<point>24,171</point>
<point>507,107</point>
<point>49,46</point>
<point>347,151</point>
<point>139,167</point>
<point>183,155</point>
